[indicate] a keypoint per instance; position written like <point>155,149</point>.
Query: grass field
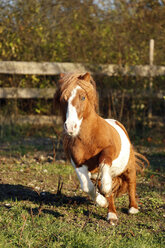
<point>41,204</point>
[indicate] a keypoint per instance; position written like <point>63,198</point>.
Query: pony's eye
<point>82,98</point>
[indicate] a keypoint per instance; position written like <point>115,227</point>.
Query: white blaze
<point>72,123</point>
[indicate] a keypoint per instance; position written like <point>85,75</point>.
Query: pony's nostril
<point>75,126</point>
<point>65,126</point>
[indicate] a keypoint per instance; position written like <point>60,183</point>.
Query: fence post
<point>151,62</point>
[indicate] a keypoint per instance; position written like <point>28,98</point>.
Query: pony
<point>99,149</point>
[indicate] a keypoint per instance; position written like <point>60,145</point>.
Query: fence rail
<point>26,93</point>
<point>30,119</point>
<point>50,68</point>
<point>48,93</point>
<point>51,120</point>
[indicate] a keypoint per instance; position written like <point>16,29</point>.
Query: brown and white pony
<point>99,149</point>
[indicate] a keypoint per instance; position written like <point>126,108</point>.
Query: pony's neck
<point>89,125</point>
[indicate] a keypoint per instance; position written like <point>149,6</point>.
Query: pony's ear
<point>56,100</point>
<point>62,75</point>
<point>60,80</point>
<point>86,77</point>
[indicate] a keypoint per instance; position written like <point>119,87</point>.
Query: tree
<point>90,31</point>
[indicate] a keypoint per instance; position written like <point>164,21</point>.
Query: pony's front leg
<point>87,185</point>
<point>106,179</point>
<point>105,162</point>
<point>112,214</point>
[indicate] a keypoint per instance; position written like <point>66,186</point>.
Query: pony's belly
<point>119,164</point>
<point>115,171</point>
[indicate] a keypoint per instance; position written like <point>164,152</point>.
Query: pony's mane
<point>69,81</point>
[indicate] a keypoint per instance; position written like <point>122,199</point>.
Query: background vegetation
<point>114,32</point>
<point>87,31</point>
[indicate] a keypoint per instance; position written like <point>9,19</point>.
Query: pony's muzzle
<point>71,129</point>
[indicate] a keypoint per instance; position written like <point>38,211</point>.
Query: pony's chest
<point>84,153</point>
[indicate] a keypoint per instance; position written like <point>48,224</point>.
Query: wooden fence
<point>47,68</point>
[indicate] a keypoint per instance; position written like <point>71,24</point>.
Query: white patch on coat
<point>133,210</point>
<point>111,216</point>
<point>101,200</point>
<point>89,174</point>
<point>85,182</point>
<point>106,178</point>
<point>72,123</point>
<point>119,164</point>
<point>87,185</point>
<point>95,176</point>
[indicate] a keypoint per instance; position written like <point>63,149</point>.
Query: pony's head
<point>77,97</point>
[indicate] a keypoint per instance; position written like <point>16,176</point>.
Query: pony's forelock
<point>69,81</point>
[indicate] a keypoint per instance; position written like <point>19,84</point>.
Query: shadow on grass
<point>23,193</point>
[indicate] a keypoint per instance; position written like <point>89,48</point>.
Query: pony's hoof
<point>133,210</point>
<point>113,222</point>
<point>112,218</point>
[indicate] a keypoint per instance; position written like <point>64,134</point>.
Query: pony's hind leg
<point>112,214</point>
<point>131,180</point>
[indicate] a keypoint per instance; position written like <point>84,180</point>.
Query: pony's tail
<point>141,162</point>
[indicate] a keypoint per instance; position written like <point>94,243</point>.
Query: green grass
<point>34,213</point>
